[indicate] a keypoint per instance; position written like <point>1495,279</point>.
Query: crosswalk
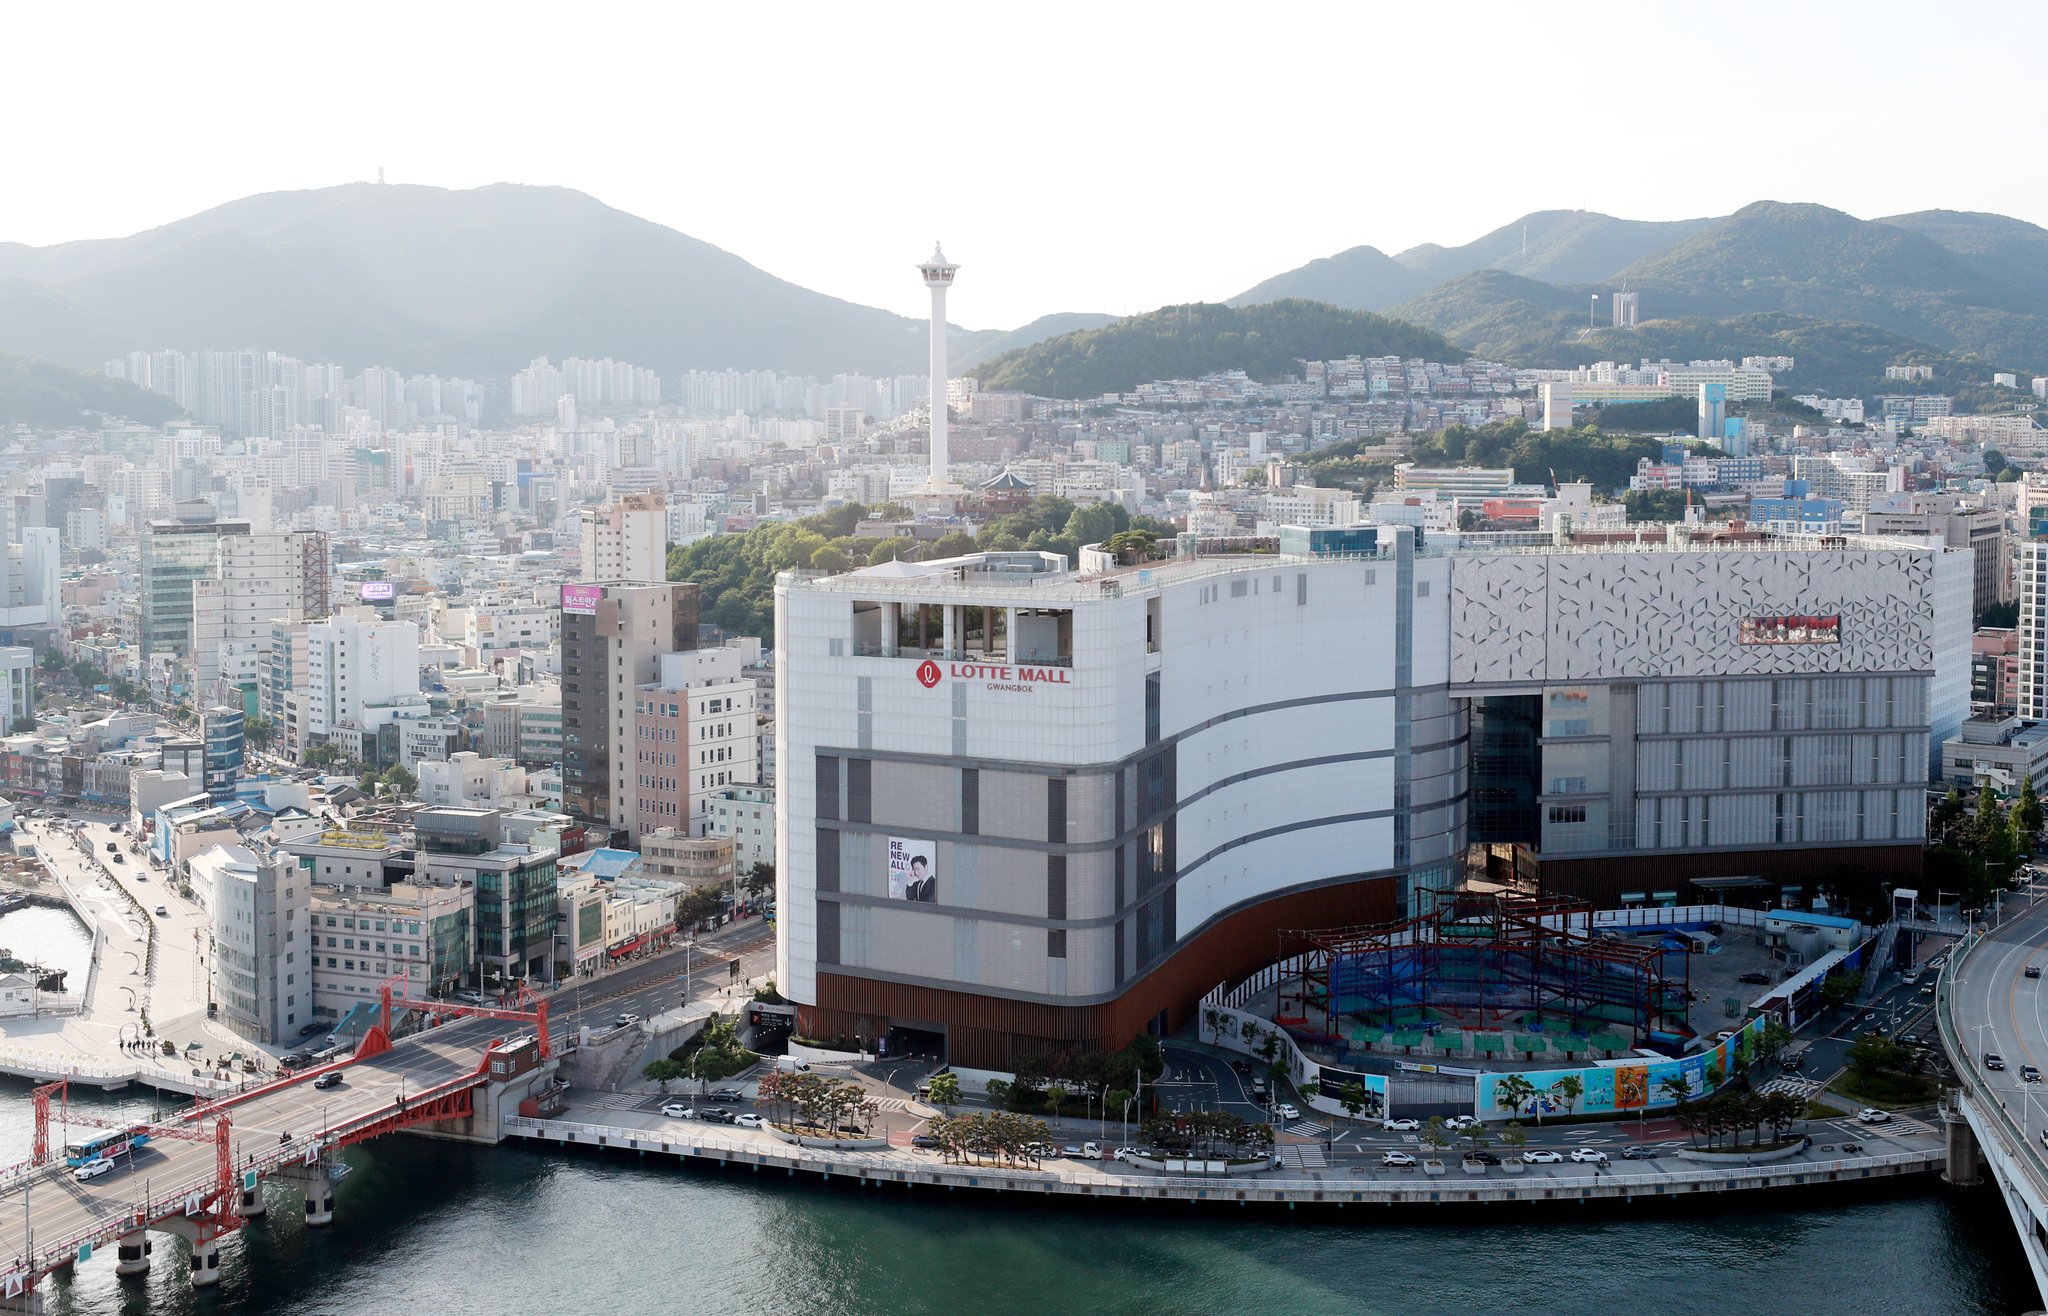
<point>1898,1126</point>
<point>615,1100</point>
<point>1798,1087</point>
<point>1308,1129</point>
<point>1304,1156</point>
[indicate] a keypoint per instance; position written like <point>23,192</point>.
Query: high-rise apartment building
<point>259,579</point>
<point>354,659</point>
<point>627,539</point>
<point>174,554</point>
<point>613,637</point>
<point>262,940</point>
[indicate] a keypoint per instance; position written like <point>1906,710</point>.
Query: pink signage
<point>581,599</point>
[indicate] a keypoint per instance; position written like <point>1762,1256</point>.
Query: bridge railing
<point>2027,1155</point>
<point>615,1135</point>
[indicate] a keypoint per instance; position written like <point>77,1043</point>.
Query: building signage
<point>1791,630</point>
<point>996,676</point>
<point>581,599</point>
<point>377,591</point>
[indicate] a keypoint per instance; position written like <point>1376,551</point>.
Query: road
<point>2000,1011</point>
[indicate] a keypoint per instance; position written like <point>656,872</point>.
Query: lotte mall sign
<point>994,676</point>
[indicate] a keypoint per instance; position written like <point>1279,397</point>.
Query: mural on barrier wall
<point>1605,1089</point>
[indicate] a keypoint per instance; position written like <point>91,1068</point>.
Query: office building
<point>258,581</point>
<point>1026,809</point>
<point>261,950</point>
<point>17,685</point>
<point>356,659</point>
<point>514,884</point>
<point>694,733</point>
<point>221,741</point>
<point>747,815</point>
<point>364,936</point>
<point>613,637</point>
<point>627,539</point>
<point>175,554</point>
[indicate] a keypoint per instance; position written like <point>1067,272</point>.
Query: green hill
<point>1180,342</point>
<point>48,395</point>
<point>1557,246</point>
<point>1361,279</point>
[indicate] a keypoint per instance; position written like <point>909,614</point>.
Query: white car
<point>1461,1122</point>
<point>676,1110</point>
<point>1286,1111</point>
<point>1589,1155</point>
<point>92,1169</point>
<point>470,998</point>
<point>1542,1157</point>
<point>1397,1160</point>
<point>1400,1126</point>
<point>750,1121</point>
<point>1872,1115</point>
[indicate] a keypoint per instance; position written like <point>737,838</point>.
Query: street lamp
<point>1978,1042</point>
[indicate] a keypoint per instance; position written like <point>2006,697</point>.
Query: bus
<point>106,1145</point>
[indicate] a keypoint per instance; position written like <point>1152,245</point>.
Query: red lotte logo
<point>928,674</point>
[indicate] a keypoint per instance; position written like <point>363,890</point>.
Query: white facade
<point>626,539</point>
<point>747,815</point>
<point>355,659</point>
<point>262,944</point>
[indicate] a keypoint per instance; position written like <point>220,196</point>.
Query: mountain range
<point>470,283</point>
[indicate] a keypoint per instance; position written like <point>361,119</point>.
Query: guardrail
<point>2010,1134</point>
<point>780,1154</point>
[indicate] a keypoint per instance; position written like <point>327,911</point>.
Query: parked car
<point>1400,1126</point>
<point>1640,1153</point>
<point>924,1140</point>
<point>1760,979</point>
<point>676,1110</point>
<point>1040,1150</point>
<point>311,1029</point>
<point>749,1120</point>
<point>1993,1060</point>
<point>1124,1153</point>
<point>295,1059</point>
<point>1397,1160</point>
<point>1542,1157</point>
<point>717,1115</point>
<point>1287,1111</point>
<point>1853,1147</point>
<point>470,998</point>
<point>728,1094</point>
<point>1461,1122</point>
<point>1872,1115</point>
<point>92,1169</point>
<point>330,1079</point>
<point>1589,1155</point>
<point>1481,1158</point>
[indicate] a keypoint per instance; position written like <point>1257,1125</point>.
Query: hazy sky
<point>1102,156</point>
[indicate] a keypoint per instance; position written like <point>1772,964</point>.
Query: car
<point>142,877</point>
<point>92,1169</point>
<point>676,1110</point>
<point>1071,1149</point>
<point>1397,1160</point>
<point>2029,1074</point>
<point>1240,1067</point>
<point>1853,1147</point>
<point>924,1140</point>
<point>1542,1157</point>
<point>717,1115</point>
<point>1760,979</point>
<point>311,1029</point>
<point>1481,1158</point>
<point>1640,1153</point>
<point>1872,1115</point>
<point>1910,977</point>
<point>750,1120</point>
<point>113,848</point>
<point>2033,970</point>
<point>1912,1039</point>
<point>1287,1111</point>
<point>625,1020</point>
<point>470,998</point>
<point>295,1059</point>
<point>1461,1122</point>
<point>1993,1060</point>
<point>1040,1150</point>
<point>1937,963</point>
<point>1792,1064</point>
<point>1589,1155</point>
<point>162,912</point>
<point>120,858</point>
<point>330,1079</point>
<point>1928,990</point>
<point>728,1094</point>
<point>1125,1154</point>
<point>1400,1126</point>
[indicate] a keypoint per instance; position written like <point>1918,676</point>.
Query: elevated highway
<point>200,1173</point>
<point>1997,1121</point>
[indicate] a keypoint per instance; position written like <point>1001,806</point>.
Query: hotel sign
<point>994,676</point>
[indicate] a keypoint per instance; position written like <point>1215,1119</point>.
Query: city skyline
<point>1214,161</point>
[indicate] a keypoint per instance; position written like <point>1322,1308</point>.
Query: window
<point>1567,813</point>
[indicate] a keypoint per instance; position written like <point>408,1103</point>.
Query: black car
<point>2033,970</point>
<point>925,1140</point>
<point>728,1094</point>
<point>330,1079</point>
<point>311,1029</point>
<point>295,1059</point>
<point>1240,1066</point>
<point>718,1115</point>
<point>1760,979</point>
<point>1640,1153</point>
<point>1481,1158</point>
<point>1993,1060</point>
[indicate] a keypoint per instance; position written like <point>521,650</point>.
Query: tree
<point>1776,1037</point>
<point>1351,1096</point>
<point>663,1072</point>
<point>1676,1089</point>
<point>759,881</point>
<point>1131,546</point>
<point>259,732</point>
<point>1994,462</point>
<point>400,781</point>
<point>1437,1136</point>
<point>1839,989</point>
<point>23,725</point>
<point>896,548</point>
<point>2026,816</point>
<point>1514,1137</point>
<point>828,559</point>
<point>944,1090</point>
<point>1947,815</point>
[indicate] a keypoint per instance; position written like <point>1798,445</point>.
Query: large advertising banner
<point>1630,1086</point>
<point>581,599</point>
<point>1335,1085</point>
<point>913,873</point>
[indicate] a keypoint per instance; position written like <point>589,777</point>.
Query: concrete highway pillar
<point>319,1197</point>
<point>132,1257</point>
<point>253,1204</point>
<point>205,1263</point>
<point>1965,1161</point>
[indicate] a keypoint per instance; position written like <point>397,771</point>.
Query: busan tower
<point>938,275</point>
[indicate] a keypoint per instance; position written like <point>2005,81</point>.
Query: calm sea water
<point>437,1229</point>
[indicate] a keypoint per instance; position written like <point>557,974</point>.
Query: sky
<point>1103,157</point>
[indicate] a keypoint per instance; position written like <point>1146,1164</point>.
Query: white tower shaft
<point>938,476</point>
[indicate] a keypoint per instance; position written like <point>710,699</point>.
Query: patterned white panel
<point>1566,617</point>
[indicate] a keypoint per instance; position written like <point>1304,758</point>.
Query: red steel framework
<point>390,997</point>
<point>1493,955</point>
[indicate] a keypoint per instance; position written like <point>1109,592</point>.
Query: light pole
<point>1978,1041</point>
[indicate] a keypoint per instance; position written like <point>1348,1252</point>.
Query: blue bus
<point>107,1145</point>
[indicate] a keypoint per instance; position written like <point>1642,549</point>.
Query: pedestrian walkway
<point>616,1100</point>
<point>1803,1088</point>
<point>1898,1126</point>
<point>1308,1129</point>
<point>1304,1156</point>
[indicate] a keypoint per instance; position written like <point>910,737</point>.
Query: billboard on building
<point>913,873</point>
<point>1791,629</point>
<point>581,599</point>
<point>1368,1091</point>
<point>1619,1088</point>
<point>377,591</point>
